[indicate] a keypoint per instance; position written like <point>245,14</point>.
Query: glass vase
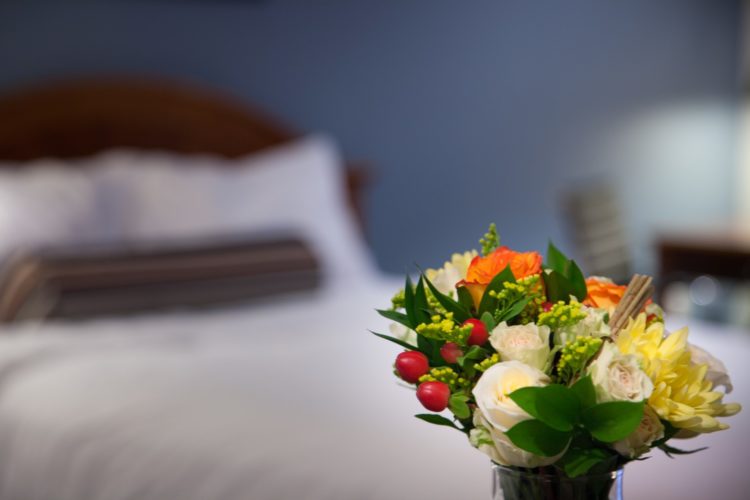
<point>511,483</point>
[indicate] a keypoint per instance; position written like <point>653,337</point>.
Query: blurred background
<point>613,128</point>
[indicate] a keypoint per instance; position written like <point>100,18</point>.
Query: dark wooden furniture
<point>722,252</point>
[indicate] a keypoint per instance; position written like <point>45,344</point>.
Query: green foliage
<point>562,277</point>
<point>612,421</point>
<point>671,450</point>
<point>467,361</point>
<point>489,303</point>
<point>585,392</point>
<point>460,313</point>
<point>490,241</point>
<point>555,405</point>
<point>579,460</point>
<point>575,356</point>
<point>563,413</point>
<point>396,316</point>
<point>411,311</point>
<point>396,341</point>
<point>421,304</point>
<point>669,432</point>
<point>489,321</point>
<point>511,310</point>
<point>464,298</point>
<point>437,420</point>
<point>538,438</point>
<point>457,404</point>
<point>431,349</point>
<point>473,353</point>
<point>512,299</point>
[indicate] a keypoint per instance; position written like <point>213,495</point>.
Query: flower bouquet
<point>559,379</point>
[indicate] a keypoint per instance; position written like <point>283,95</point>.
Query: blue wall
<point>471,111</point>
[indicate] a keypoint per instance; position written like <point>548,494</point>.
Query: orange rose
<point>483,269</point>
<point>603,294</point>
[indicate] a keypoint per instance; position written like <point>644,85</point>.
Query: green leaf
<point>514,310</point>
<point>457,404</point>
<point>437,420</point>
<point>538,438</point>
<point>557,260</point>
<point>411,312</point>
<point>488,321</point>
<point>557,286</point>
<point>578,461</point>
<point>464,298</point>
<point>489,303</point>
<point>554,405</point>
<point>669,432</point>
<point>670,450</point>
<point>558,407</point>
<point>466,362</point>
<point>397,317</point>
<point>526,398</point>
<point>460,314</point>
<point>420,302</point>
<point>431,349</point>
<point>400,342</point>
<point>570,280</point>
<point>475,352</point>
<point>577,281</point>
<point>584,390</point>
<point>612,421</point>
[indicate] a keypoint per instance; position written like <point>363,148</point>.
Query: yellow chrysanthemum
<point>681,395</point>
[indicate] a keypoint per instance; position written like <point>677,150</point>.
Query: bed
<point>289,398</point>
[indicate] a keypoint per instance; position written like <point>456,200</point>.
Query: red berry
<point>479,333</point>
<point>547,306</point>
<point>411,365</point>
<point>451,352</point>
<point>434,395</point>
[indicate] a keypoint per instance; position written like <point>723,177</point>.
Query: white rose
<point>717,373</point>
<point>618,377</point>
<point>639,442</point>
<point>593,325</point>
<point>526,343</point>
<point>452,272</point>
<point>496,413</point>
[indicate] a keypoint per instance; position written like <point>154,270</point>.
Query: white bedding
<point>277,401</point>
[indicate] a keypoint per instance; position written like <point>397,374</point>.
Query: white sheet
<point>286,400</point>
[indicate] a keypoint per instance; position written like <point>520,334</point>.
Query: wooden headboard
<point>78,118</point>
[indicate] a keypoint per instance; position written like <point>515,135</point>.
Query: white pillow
<point>45,203</point>
<point>298,187</point>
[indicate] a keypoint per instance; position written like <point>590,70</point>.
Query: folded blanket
<point>81,282</point>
